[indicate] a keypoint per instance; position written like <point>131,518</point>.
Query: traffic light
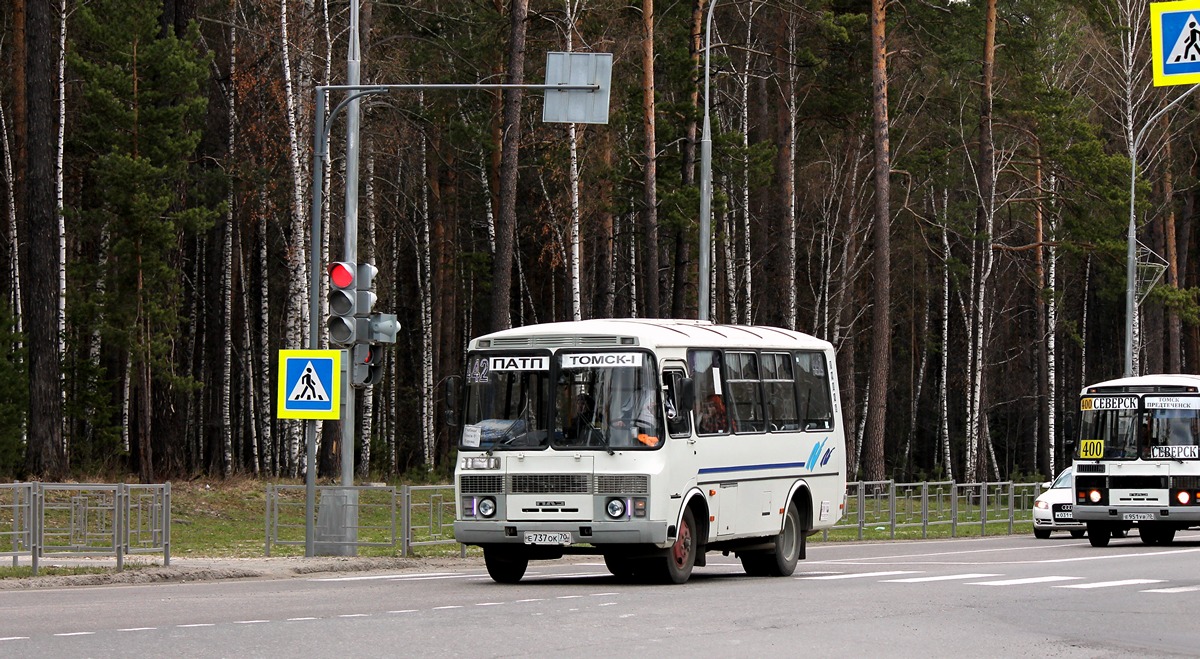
<point>383,328</point>
<point>343,303</point>
<point>367,366</point>
<point>365,300</point>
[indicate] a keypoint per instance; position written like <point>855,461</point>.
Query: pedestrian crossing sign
<point>1175,42</point>
<point>309,384</point>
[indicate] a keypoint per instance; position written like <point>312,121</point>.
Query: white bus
<point>1137,462</point>
<point>649,442</point>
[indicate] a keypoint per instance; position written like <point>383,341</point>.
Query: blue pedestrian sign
<point>1175,42</point>
<point>309,384</point>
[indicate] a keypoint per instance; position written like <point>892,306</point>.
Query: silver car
<point>1052,508</point>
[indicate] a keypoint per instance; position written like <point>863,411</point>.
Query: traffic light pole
<point>320,155</point>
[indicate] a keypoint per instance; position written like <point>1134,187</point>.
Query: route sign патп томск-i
<point>309,384</point>
<point>1175,42</point>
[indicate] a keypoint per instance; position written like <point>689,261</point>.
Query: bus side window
<point>706,366</point>
<point>812,386</point>
<point>745,398</point>
<point>678,421</point>
<point>780,385</point>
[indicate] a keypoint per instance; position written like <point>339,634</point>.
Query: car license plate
<point>1138,516</point>
<point>547,538</point>
<point>1064,515</point>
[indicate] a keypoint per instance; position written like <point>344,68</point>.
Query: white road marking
<point>861,575</point>
<point>404,611</point>
<point>608,604</point>
<point>910,559</point>
<point>76,634</point>
<point>488,603</point>
<point>443,608</point>
<point>944,577</point>
<point>14,638</point>
<point>1022,582</point>
<point>373,577</point>
<point>249,622</point>
<point>536,599</point>
<point>601,594</point>
<point>308,618</point>
<point>1177,589</point>
<point>355,615</point>
<point>1110,584</point>
<point>137,629</point>
<point>198,624</point>
<point>568,597</point>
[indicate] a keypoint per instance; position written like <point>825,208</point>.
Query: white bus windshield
<point>1160,428</point>
<point>601,400</point>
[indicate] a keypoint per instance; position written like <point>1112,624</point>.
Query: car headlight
<point>615,508</point>
<point>1041,505</point>
<point>487,507</point>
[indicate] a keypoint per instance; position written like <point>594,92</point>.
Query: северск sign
<point>1175,42</point>
<point>309,384</point>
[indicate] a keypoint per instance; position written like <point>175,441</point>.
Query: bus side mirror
<point>687,395</point>
<point>453,387</point>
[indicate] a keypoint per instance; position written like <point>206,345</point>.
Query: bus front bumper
<point>625,532</point>
<point>1189,515</point>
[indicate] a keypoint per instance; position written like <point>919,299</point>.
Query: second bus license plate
<point>547,538</point>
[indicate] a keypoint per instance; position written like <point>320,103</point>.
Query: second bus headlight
<point>487,506</point>
<point>615,508</point>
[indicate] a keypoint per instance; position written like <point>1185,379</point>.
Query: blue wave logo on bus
<point>816,455</point>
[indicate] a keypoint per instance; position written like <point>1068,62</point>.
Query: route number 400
<point>1091,449</point>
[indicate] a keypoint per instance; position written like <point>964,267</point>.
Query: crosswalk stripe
<point>1110,584</point>
<point>1177,589</point>
<point>858,575</point>
<point>1021,582</point>
<point>944,577</point>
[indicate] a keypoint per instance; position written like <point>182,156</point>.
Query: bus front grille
<point>481,484</point>
<point>622,484</point>
<point>1185,482</point>
<point>549,483</point>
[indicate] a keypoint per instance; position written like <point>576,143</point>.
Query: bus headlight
<point>1183,497</point>
<point>487,507</point>
<point>1094,496</point>
<point>615,508</point>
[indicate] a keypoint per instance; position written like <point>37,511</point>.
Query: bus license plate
<point>1138,516</point>
<point>544,538</point>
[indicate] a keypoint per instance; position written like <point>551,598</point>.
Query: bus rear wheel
<point>681,557</point>
<point>504,566</point>
<point>1098,534</point>
<point>780,561</point>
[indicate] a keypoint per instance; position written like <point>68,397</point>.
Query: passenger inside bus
<point>712,416</point>
<point>583,425</point>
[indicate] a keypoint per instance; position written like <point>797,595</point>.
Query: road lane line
<point>76,634</point>
<point>198,624</point>
<point>355,615</point>
<point>1022,582</point>
<point>249,622</point>
<point>944,577</point>
<point>536,599</point>
<point>14,638</point>
<point>861,575</point>
<point>404,611</point>
<point>137,629</point>
<point>1177,589</point>
<point>1110,584</point>
<point>302,619</point>
<point>389,576</point>
<point>443,608</point>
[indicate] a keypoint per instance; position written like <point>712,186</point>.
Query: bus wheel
<point>620,566</point>
<point>681,557</point>
<point>504,566</point>
<point>787,544</point>
<point>1098,534</point>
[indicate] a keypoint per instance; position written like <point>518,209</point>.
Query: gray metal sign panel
<point>579,106</point>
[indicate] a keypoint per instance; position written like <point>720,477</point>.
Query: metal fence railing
<point>368,516</point>
<point>878,509</point>
<point>873,510</point>
<point>41,520</point>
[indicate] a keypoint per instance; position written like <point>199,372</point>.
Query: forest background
<point>940,188</point>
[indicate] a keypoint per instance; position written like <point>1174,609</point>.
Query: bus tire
<point>788,544</point>
<point>1098,534</point>
<point>504,566</point>
<point>681,557</point>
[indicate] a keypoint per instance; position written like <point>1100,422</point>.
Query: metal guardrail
<point>426,517</point>
<point>43,520</point>
<point>881,508</point>
<point>873,509</point>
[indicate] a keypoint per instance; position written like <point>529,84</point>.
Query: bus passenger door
<point>682,459</point>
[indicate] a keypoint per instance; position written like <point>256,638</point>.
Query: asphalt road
<point>1003,597</point>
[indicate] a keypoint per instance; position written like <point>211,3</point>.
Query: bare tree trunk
<point>60,143</point>
<point>881,334</point>
<point>10,226</point>
<point>425,283</point>
<point>650,272</point>
<point>502,265</point>
<point>264,365</point>
<point>943,383</point>
<point>43,451</point>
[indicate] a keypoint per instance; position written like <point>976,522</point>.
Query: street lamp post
<point>706,181</point>
<point>1131,246</point>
